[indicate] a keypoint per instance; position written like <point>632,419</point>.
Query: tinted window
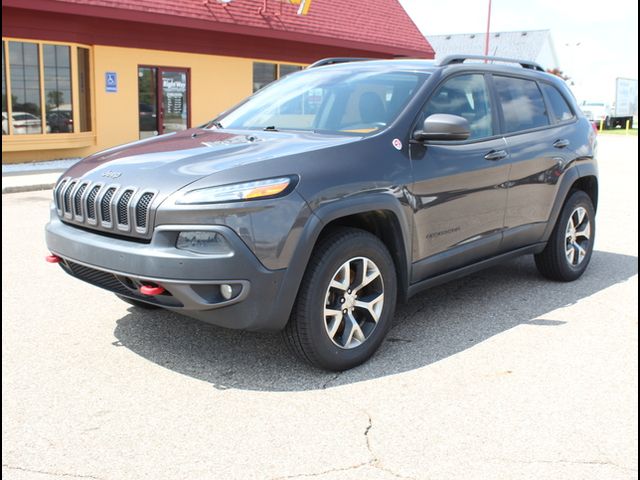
<point>263,74</point>
<point>522,104</point>
<point>287,69</point>
<point>558,104</point>
<point>57,87</point>
<point>147,102</point>
<point>84,89</point>
<point>25,85</point>
<point>465,96</point>
<point>5,128</point>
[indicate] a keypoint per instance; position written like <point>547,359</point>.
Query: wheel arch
<point>380,215</point>
<point>589,185</point>
<point>385,225</point>
<point>581,177</point>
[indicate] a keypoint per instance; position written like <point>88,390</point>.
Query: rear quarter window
<point>559,106</point>
<point>522,104</point>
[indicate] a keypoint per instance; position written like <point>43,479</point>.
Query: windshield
<point>327,100</point>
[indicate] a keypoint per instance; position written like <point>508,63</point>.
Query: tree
<point>559,73</point>
<point>55,97</point>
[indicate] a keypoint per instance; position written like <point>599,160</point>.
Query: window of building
<point>5,115</point>
<point>466,96</point>
<point>24,64</point>
<point>522,103</point>
<point>84,90</point>
<point>57,88</point>
<point>264,73</point>
<point>559,106</point>
<point>45,88</point>
<point>284,69</point>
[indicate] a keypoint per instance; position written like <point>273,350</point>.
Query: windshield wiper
<point>216,124</point>
<point>270,128</point>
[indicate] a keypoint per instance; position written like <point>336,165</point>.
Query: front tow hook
<point>151,290</point>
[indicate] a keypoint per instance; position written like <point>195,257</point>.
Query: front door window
<point>163,97</point>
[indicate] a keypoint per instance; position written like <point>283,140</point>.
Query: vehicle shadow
<point>443,321</point>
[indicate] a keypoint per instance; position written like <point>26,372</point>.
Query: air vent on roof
<point>448,37</point>
<point>472,36</point>
<point>524,34</point>
<point>497,35</point>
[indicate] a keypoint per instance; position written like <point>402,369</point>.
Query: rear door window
<point>522,104</point>
<point>559,106</point>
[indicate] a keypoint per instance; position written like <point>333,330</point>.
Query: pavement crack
<point>332,379</point>
<point>375,462</point>
<point>569,462</point>
<point>50,473</point>
<point>324,472</point>
<point>366,437</point>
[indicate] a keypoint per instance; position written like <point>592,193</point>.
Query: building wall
<point>216,83</point>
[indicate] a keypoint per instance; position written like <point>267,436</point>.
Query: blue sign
<point>111,81</point>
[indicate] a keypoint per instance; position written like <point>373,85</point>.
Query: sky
<point>596,41</point>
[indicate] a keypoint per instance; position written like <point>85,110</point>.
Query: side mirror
<point>442,126</point>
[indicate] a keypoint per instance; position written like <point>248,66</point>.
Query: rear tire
<point>568,252</point>
<point>346,301</point>
<point>138,303</point>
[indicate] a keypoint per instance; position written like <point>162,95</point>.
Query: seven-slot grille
<point>105,207</point>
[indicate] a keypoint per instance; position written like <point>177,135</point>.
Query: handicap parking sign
<point>111,81</point>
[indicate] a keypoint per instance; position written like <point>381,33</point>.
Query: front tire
<point>568,252</point>
<point>346,301</point>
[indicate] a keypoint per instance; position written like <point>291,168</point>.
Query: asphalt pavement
<point>501,375</point>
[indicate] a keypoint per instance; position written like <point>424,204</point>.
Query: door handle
<point>562,143</point>
<point>495,155</point>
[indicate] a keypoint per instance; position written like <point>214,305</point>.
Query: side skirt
<point>473,268</point>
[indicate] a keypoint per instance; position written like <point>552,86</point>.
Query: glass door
<point>163,94</point>
<point>174,112</point>
<point>147,102</point>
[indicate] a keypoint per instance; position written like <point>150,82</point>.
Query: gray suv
<point>318,203</point>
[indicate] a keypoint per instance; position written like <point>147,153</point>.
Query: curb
<point>28,188</point>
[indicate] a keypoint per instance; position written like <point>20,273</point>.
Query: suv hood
<point>170,162</point>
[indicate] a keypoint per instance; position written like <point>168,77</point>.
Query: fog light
<point>209,243</point>
<point>226,291</point>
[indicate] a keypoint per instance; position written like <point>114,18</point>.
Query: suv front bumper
<point>191,281</point>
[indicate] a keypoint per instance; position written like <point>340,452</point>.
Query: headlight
<point>209,243</point>
<point>239,191</point>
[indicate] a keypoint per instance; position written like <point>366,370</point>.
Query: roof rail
<point>335,60</point>
<point>457,59</point>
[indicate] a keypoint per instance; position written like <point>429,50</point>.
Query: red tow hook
<point>151,290</point>
<point>53,259</point>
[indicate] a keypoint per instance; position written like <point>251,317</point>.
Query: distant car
<point>60,122</point>
<point>597,112</point>
<point>23,122</point>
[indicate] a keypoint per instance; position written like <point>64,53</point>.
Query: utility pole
<point>486,40</point>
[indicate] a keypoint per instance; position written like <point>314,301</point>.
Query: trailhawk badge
<point>112,174</point>
<point>397,144</point>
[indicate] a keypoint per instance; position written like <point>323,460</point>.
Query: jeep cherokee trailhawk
<point>322,200</point>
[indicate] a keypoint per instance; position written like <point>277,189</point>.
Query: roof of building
<point>524,44</point>
<point>375,25</point>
